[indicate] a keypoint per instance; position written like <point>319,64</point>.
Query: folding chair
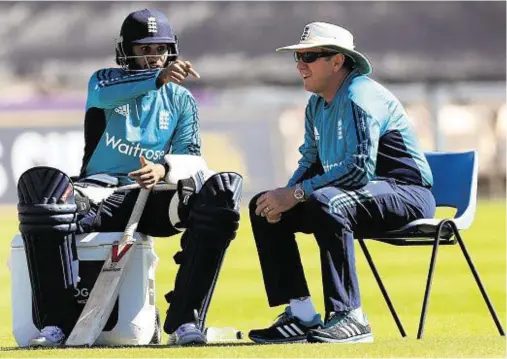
<point>455,185</point>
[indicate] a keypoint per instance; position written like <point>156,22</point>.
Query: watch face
<point>299,194</point>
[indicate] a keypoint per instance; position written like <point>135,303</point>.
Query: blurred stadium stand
<point>235,41</point>
<point>446,61</point>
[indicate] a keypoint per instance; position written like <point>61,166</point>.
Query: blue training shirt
<point>127,116</point>
<point>364,134</point>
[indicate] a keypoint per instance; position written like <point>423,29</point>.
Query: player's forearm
<point>351,173</point>
<point>113,91</point>
<point>298,174</point>
<point>187,142</point>
<point>309,157</point>
<point>187,139</point>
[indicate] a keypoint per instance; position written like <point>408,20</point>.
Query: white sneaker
<point>187,334</point>
<point>50,336</point>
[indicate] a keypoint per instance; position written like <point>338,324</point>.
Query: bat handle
<point>137,211</point>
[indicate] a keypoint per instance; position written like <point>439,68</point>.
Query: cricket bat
<point>101,301</point>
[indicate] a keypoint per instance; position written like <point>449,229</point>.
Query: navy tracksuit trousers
<point>335,217</point>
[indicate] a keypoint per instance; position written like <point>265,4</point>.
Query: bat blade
<point>101,301</point>
<point>103,295</point>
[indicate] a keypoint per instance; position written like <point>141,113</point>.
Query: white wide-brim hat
<point>322,34</point>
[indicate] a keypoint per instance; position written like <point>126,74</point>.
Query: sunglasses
<point>309,57</point>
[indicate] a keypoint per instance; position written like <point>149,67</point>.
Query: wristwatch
<point>299,193</point>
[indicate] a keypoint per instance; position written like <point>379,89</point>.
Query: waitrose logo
<point>130,149</point>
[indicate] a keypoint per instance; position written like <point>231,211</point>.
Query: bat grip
<point>137,211</point>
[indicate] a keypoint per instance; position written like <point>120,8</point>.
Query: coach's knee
<point>258,221</point>
<point>252,206</point>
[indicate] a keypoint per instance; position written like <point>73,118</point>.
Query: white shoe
<point>50,336</point>
<point>187,334</point>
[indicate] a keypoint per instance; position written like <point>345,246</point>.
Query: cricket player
<point>361,171</point>
<point>136,115</point>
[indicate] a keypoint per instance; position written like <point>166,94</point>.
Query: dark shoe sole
<point>364,338</point>
<point>300,339</point>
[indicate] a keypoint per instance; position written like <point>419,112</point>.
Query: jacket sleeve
<point>358,167</point>
<point>110,88</point>
<point>308,150</point>
<point>187,137</point>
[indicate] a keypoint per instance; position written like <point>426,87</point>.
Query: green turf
<point>458,323</point>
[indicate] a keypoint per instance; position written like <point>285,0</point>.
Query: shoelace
<point>283,318</point>
<point>338,317</point>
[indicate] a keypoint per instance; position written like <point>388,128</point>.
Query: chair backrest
<point>455,176</point>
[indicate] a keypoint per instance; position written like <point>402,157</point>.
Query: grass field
<point>458,323</point>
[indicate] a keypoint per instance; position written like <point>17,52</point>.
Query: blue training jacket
<point>127,116</point>
<point>364,134</point>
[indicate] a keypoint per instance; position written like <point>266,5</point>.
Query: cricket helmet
<point>144,27</point>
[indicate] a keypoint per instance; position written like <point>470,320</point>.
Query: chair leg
<point>382,288</point>
<point>430,279</point>
<point>478,281</point>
